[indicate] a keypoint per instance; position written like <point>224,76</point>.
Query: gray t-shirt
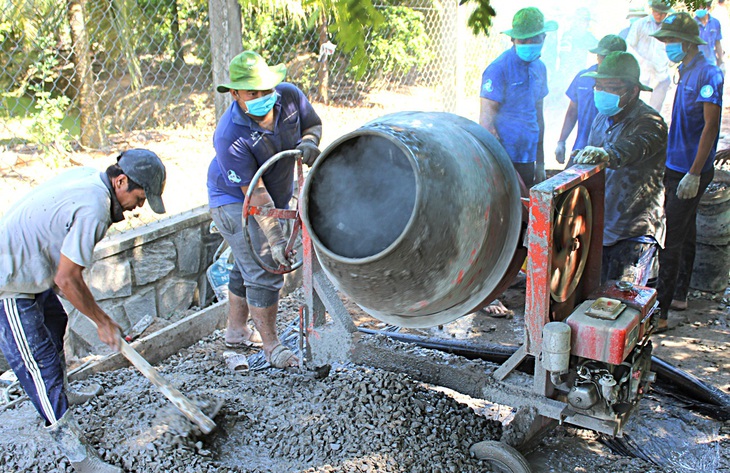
<point>67,215</point>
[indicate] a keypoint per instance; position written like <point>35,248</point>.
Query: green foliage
<point>480,19</point>
<point>47,129</point>
<point>352,17</point>
<point>401,46</point>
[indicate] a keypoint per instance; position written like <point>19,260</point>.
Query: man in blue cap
<point>711,33</point>
<point>46,241</point>
<point>631,137</point>
<point>693,139</point>
<point>581,109</point>
<point>267,116</point>
<point>512,92</point>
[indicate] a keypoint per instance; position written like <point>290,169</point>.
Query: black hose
<point>667,374</point>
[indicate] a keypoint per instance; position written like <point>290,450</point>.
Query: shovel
<point>189,410</point>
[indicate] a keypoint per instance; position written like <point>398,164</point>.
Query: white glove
<point>560,152</point>
<point>591,155</point>
<point>278,254</point>
<point>688,186</point>
<point>539,173</point>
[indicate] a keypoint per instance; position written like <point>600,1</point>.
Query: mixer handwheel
<point>571,241</point>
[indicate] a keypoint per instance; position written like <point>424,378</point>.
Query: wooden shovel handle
<point>190,410</point>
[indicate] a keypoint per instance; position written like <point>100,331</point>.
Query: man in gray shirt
<point>46,241</point>
<point>631,137</point>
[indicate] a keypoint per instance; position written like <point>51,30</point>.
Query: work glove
<point>688,186</point>
<point>310,152</point>
<point>591,155</point>
<point>560,152</point>
<point>275,236</point>
<point>539,173</point>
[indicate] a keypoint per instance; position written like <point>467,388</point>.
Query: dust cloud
<point>362,196</point>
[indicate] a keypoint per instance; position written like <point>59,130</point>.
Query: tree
<point>92,132</point>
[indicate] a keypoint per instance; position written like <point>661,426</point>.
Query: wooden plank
<point>165,342</point>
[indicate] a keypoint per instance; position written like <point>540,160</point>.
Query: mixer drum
<point>416,217</point>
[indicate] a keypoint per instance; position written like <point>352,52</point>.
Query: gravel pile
<point>354,420</point>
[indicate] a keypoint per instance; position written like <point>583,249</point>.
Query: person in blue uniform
<point>267,116</point>
<point>711,33</point>
<point>693,136</point>
<point>581,109</point>
<point>512,92</point>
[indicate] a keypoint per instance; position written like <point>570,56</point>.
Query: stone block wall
<point>158,270</point>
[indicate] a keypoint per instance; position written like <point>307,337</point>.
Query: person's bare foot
<point>678,305</point>
<point>497,310</point>
<point>248,337</point>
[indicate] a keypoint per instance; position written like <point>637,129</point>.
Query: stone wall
<point>158,269</point>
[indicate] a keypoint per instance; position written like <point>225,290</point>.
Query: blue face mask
<point>701,13</point>
<point>606,102</point>
<point>528,52</point>
<point>674,52</point>
<point>261,106</point>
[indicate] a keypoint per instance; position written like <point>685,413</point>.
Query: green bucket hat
<point>660,5</point>
<point>249,71</point>
<point>529,22</point>
<point>679,26</point>
<point>619,65</point>
<point>609,44</point>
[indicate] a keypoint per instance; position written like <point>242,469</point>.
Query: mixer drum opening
<point>362,196</point>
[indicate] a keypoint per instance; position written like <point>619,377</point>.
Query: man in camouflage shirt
<point>631,137</point>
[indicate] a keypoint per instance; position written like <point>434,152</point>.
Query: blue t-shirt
<point>242,146</point>
<point>517,86</point>
<point>699,82</point>
<point>580,91</point>
<point>711,33</point>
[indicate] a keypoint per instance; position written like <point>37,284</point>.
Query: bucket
<point>416,217</point>
<point>712,255</point>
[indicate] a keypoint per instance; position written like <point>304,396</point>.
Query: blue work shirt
<point>242,146</point>
<point>711,33</point>
<point>580,91</point>
<point>699,82</point>
<point>517,86</point>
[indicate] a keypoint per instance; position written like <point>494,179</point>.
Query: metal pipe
<point>667,374</point>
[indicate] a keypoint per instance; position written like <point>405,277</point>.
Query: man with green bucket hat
<point>512,92</point>
<point>653,61</point>
<point>693,139</point>
<point>581,109</point>
<point>631,137</point>
<point>267,116</point>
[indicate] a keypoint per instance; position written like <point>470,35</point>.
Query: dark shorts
<point>260,287</point>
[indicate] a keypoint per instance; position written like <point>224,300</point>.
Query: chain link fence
<point>84,79</point>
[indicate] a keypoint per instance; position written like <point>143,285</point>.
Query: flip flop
<point>281,356</point>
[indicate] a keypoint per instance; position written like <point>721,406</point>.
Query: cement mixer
<point>420,219</point>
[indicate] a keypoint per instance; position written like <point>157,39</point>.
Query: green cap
<point>529,22</point>
<point>609,44</point>
<point>619,65</point>
<point>146,169</point>
<point>660,5</point>
<point>249,71</point>
<point>679,26</point>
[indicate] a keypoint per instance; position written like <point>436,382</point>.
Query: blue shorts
<point>31,338</point>
<point>261,286</point>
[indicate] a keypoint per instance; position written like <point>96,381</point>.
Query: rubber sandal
<point>280,357</point>
<point>254,341</point>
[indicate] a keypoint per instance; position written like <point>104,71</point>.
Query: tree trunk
<point>179,60</point>
<point>225,43</point>
<point>323,74</point>
<point>92,132</point>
